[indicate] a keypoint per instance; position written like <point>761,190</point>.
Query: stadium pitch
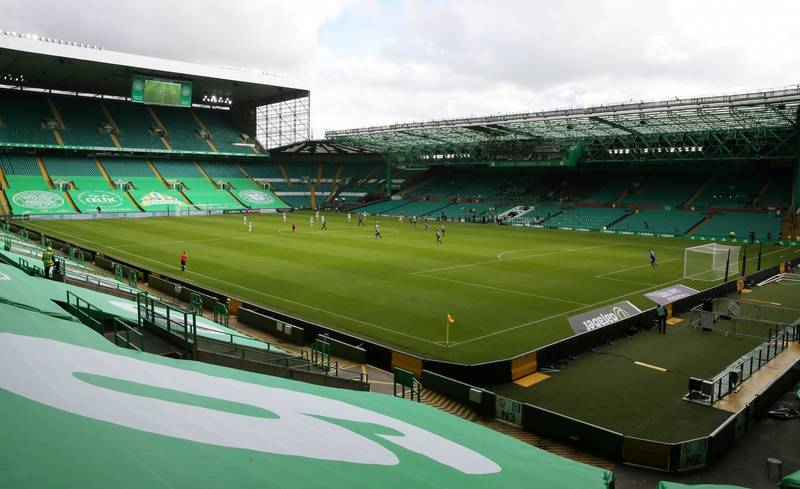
<point>509,290</point>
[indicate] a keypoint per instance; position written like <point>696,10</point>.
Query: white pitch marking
<point>632,268</point>
<point>510,291</point>
<point>503,253</point>
<point>467,265</point>
<point>604,301</point>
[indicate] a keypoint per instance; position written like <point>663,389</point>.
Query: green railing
<point>221,315</point>
<point>122,336</point>
<point>84,310</point>
<point>178,323</point>
<point>406,382</point>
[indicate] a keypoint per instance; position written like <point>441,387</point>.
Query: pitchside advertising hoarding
<point>598,318</point>
<point>670,294</point>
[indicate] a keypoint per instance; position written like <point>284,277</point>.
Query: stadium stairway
<point>465,412</point>
<point>157,173</point>
<point>71,202</point>
<point>249,177</point>
<point>628,191</point>
<point>158,123</point>
<point>112,122</point>
<point>761,192</point>
<point>5,207</point>
<point>104,173</point>
<point>57,117</point>
<point>202,126</point>
<point>699,191</point>
<point>3,180</point>
<point>46,175</point>
<point>786,224</point>
<point>285,175</point>
<point>694,229</point>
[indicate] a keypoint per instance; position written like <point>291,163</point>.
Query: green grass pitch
<point>510,290</point>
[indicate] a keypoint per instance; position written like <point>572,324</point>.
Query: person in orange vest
<point>184,257</point>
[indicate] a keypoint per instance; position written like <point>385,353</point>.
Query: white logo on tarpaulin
<point>51,378</point>
<point>256,196</point>
<point>38,199</point>
<point>3,276</point>
<point>99,198</point>
<point>157,198</point>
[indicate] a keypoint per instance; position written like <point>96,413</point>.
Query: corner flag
<point>450,319</point>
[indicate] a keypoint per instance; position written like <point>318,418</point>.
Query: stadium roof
<point>52,65</point>
<point>736,126</point>
<point>320,147</point>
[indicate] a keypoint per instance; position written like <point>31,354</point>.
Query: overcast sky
<point>371,62</point>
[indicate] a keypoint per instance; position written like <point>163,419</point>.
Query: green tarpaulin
<point>38,202</point>
<point>106,200</point>
<point>259,199</point>
<point>79,412</point>
<point>791,481</point>
<point>18,288</point>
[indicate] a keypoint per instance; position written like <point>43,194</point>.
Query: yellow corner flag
<point>450,319</point>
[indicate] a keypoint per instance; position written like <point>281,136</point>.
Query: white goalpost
<point>709,261</point>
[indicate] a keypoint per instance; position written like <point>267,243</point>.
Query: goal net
<point>708,261</point>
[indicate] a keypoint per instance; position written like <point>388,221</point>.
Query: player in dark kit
<point>653,263</point>
<point>360,220</point>
<point>293,226</point>
<point>184,257</point>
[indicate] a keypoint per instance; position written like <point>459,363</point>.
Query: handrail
<point>120,328</point>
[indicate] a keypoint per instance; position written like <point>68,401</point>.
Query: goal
<point>708,261</point>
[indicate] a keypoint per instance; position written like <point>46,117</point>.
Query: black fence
<point>482,400</point>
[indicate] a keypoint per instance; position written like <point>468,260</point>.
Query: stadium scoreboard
<point>161,92</point>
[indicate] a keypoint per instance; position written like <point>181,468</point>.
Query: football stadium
<point>197,293</point>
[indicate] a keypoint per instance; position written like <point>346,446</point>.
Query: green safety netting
<point>19,289</point>
<point>38,202</point>
<point>791,481</point>
<point>259,199</point>
<point>106,200</point>
<point>103,416</point>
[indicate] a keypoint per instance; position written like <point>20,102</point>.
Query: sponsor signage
<point>157,198</point>
<point>670,294</point>
<point>603,316</point>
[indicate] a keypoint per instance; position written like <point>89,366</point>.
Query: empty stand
<point>659,221</point>
<point>24,119</point>
<point>764,225</point>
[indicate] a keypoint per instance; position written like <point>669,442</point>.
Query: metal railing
<point>710,391</point>
<point>84,310</point>
<point>122,335</point>
<point>181,324</point>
